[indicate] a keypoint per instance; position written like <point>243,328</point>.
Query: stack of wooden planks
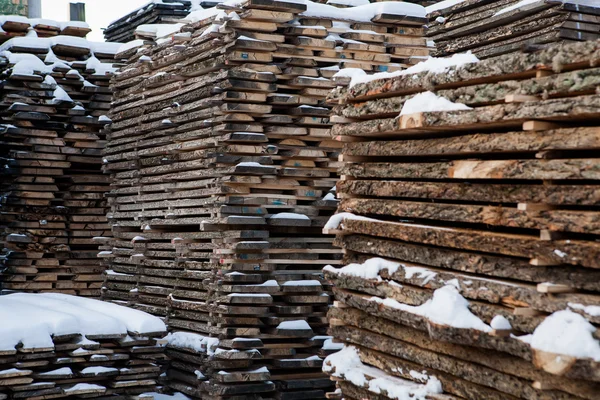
<point>223,166</point>
<point>52,186</point>
<point>16,26</point>
<point>55,346</point>
<point>469,218</point>
<point>155,12</point>
<point>491,28</point>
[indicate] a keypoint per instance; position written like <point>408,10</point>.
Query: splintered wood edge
<point>536,125</point>
<point>519,98</point>
<point>411,121</point>
<point>501,332</point>
<point>527,312</point>
<point>554,288</point>
<point>538,262</point>
<point>535,207</point>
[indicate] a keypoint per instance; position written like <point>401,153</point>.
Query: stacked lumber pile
<point>59,346</point>
<point>491,28</point>
<point>469,218</point>
<point>223,165</point>
<point>52,186</point>
<point>17,26</point>
<point>155,12</point>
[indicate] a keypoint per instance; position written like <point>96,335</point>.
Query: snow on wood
<point>348,365</point>
<point>294,325</point>
<point>480,288</point>
<point>434,65</point>
<point>289,216</point>
<point>57,314</point>
<point>363,13</point>
<point>429,102</point>
<point>500,323</point>
<point>336,220</point>
<point>447,307</point>
<point>441,5</point>
<point>567,333</point>
<point>193,341</point>
<point>515,6</point>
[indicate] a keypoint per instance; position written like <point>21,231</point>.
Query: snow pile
<point>430,102</point>
<point>294,325</point>
<point>311,282</point>
<point>442,5</point>
<point>134,320</point>
<point>34,42</point>
<point>446,307</point>
<point>349,3</point>
<point>252,164</point>
<point>517,5</point>
<point>105,47</point>
<point>158,30</point>
<point>352,73</point>
<point>98,370</point>
<point>287,215</point>
<point>500,323</point>
<point>32,319</point>
<point>336,219</point>
<point>160,396</point>
<point>329,196</point>
<point>442,65</point>
<point>347,364</point>
<point>193,341</point>
<point>99,68</point>
<point>594,311</point>
<point>202,14</point>
<point>59,94</point>
<point>74,24</point>
<point>60,371</point>
<point>329,345</point>
<point>371,269</point>
<point>567,333</point>
<point>130,45</point>
<point>13,18</point>
<point>363,13</point>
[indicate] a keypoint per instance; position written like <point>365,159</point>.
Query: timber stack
<point>65,347</point>
<point>490,28</point>
<point>14,26</point>
<point>222,163</point>
<point>54,96</point>
<point>154,13</point>
<point>469,218</point>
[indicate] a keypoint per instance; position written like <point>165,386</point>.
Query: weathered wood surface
<point>496,116</point>
<point>473,192</point>
<point>563,169</point>
<point>558,85</point>
<point>574,252</point>
<point>481,264</point>
<point>506,293</point>
<point>203,160</point>
<point>443,366</point>
<point>554,220</point>
<point>580,138</point>
<point>360,325</point>
<point>559,57</point>
<point>457,41</point>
